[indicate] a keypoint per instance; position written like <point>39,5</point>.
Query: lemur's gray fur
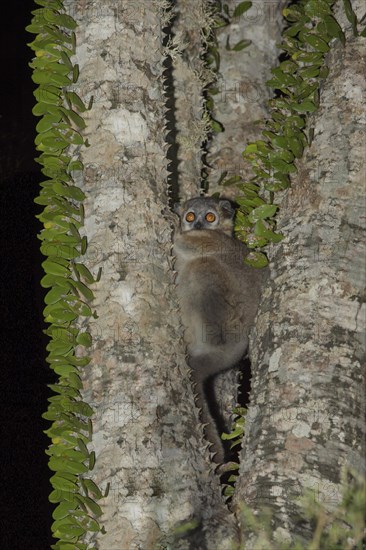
<point>218,295</point>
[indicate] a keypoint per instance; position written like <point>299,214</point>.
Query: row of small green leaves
<point>66,278</point>
<point>235,436</point>
<point>305,42</point>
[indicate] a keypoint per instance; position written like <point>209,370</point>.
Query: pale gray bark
<point>306,417</point>
<point>192,22</point>
<point>147,437</point>
<point>243,95</point>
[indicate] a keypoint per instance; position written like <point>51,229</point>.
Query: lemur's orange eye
<point>210,217</point>
<point>190,217</point>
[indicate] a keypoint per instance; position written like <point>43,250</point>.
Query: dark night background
<point>25,510</point>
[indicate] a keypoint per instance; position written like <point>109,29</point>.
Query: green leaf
<point>293,13</point>
<point>263,146</point>
<point>90,487</point>
<point>231,181</point>
<point>54,268</point>
<point>63,483</point>
<point>66,465</point>
<point>71,191</point>
<point>47,94</point>
<point>75,165</point>
<point>308,57</point>
<point>238,432</point>
<point>84,339</point>
<point>44,63</point>
<point>54,295</point>
<point>83,448</point>
<point>85,311</point>
<point>47,122</point>
<point>317,8</point>
<point>295,121</point>
<point>68,453</point>
<point>351,16</point>
<point>295,28</point>
<point>333,28</point>
<point>75,73</point>
<point>296,146</point>
<point>274,83</point>
<point>66,61</point>
<point>49,4</point>
<point>55,143</point>
<point>309,72</point>
<point>60,316</point>
<point>93,506</point>
<point>66,21</point>
<point>281,154</point>
<point>280,141</point>
<point>66,251</point>
<point>62,348</point>
<point>84,245</point>
<point>91,460</point>
<point>76,119</point>
<point>261,230</point>
<point>277,184</point>
<point>316,42</point>
<point>216,126</point>
<point>83,289</point>
<point>52,164</point>
<point>82,408</point>
<point>262,212</point>
<point>246,206</point>
<point>59,37</point>
<point>284,78</point>
<point>251,148</point>
<point>305,106</point>
<point>324,71</point>
<point>64,370</point>
<point>75,381</point>
<point>241,45</point>
<point>241,8</point>
<point>284,167</point>
<point>67,530</point>
<point>58,495</point>
<point>35,27</point>
<point>64,509</point>
<point>45,76</point>
<point>74,99</point>
<point>50,280</point>
<point>84,272</point>
<point>256,259</point>
<point>44,109</point>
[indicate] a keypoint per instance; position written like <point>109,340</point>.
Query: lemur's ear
<point>226,208</point>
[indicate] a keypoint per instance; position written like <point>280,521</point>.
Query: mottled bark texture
<point>147,437</point>
<point>191,26</point>
<point>242,98</point>
<point>306,417</point>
